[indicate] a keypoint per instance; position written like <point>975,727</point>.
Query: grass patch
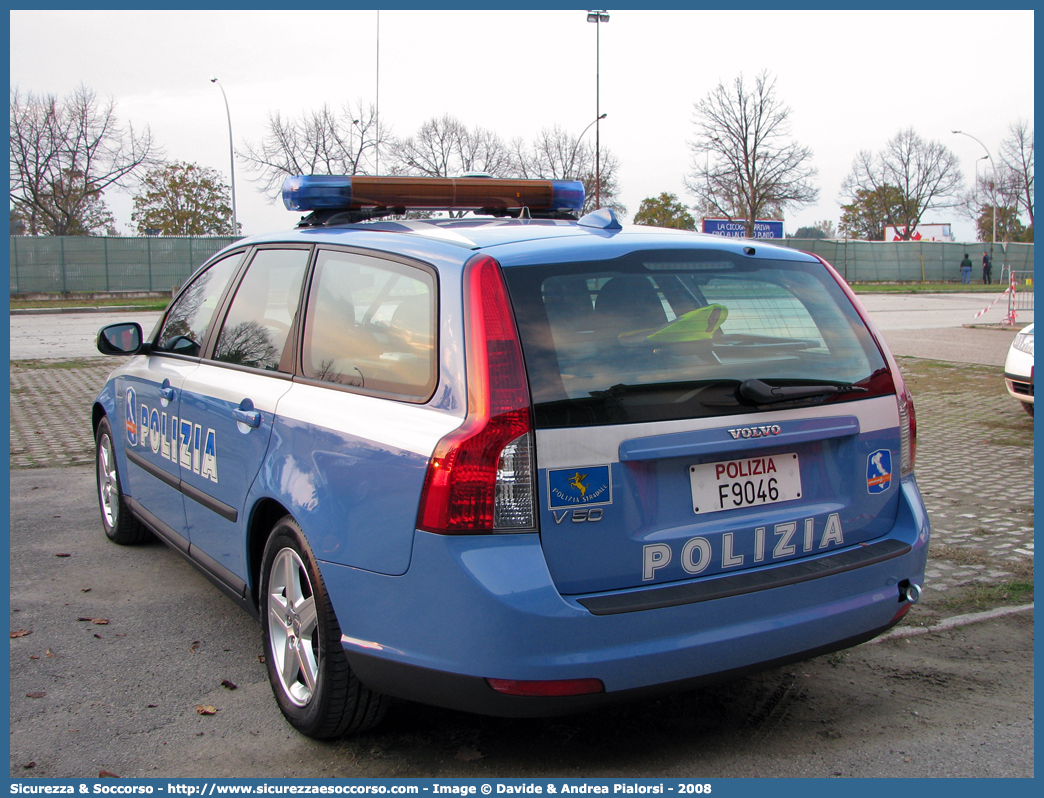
<point>965,556</point>
<point>987,596</point>
<point>938,377</point>
<point>927,288</point>
<point>141,303</point>
<point>1011,438</point>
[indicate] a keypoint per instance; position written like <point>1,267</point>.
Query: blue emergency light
<point>488,194</point>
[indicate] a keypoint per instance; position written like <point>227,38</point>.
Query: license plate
<point>752,481</point>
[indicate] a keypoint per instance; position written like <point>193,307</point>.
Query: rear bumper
<point>476,607</point>
<point>473,693</point>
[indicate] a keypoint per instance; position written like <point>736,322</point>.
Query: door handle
<point>252,418</point>
<point>167,393</point>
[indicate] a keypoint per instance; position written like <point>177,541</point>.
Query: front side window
<point>371,325</point>
<point>661,335</point>
<point>259,319</point>
<point>189,317</point>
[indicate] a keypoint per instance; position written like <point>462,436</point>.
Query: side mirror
<point>120,339</point>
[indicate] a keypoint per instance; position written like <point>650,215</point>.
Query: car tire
<point>313,683</point>
<point>1028,407</point>
<point>119,523</point>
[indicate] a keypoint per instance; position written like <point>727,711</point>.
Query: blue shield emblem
<point>878,471</point>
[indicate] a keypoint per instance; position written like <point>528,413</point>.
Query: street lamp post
<point>597,17</point>
<point>993,187</point>
<point>576,144</point>
<point>232,157</point>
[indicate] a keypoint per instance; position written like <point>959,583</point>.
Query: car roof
<point>511,237</point>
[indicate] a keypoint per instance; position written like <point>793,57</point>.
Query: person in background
<point>987,269</point>
<point>966,267</point>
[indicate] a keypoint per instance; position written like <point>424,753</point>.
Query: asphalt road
<point>932,326</point>
<point>921,325</point>
<point>124,643</point>
<point>67,335</point>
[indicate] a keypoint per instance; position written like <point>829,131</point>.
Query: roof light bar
<point>349,193</point>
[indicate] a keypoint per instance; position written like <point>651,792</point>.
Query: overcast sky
<point>852,79</point>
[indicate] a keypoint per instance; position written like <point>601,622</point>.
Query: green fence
<point>912,261</point>
<point>103,263</point>
<point>100,263</point>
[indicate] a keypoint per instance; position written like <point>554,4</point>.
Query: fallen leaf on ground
<point>36,694</point>
<point>50,653</point>
<point>63,554</point>
<point>85,590</point>
<point>205,709</point>
<point>28,765</point>
<point>100,621</point>
<point>22,633</point>
<point>468,755</point>
<point>194,647</point>
<point>227,684</point>
<point>104,774</point>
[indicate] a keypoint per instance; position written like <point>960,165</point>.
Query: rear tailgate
<point>699,411</point>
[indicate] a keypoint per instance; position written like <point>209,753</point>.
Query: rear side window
<point>657,336</point>
<point>371,325</point>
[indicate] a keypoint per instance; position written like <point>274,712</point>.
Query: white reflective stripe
<point>589,446</point>
<point>232,385</point>
<point>396,425</point>
<point>154,368</point>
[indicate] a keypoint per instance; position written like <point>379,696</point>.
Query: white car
<point>1018,369</point>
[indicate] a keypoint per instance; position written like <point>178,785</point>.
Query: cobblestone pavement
<point>975,471</point>
<point>974,458</point>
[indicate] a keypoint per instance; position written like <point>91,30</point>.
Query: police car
<point>515,462</point>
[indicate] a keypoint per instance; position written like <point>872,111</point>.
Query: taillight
<point>480,478</point>
<point>907,430</point>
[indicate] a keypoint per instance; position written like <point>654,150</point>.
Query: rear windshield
<point>670,335</point>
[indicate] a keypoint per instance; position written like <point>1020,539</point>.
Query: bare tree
<point>444,147</point>
<point>925,173</point>
<point>320,142</point>
<point>558,155</point>
<point>65,154</point>
<point>744,163</point>
<point>1016,155</point>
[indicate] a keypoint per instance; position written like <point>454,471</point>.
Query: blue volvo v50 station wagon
<point>515,462</point>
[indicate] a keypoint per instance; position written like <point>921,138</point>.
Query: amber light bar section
<point>336,192</point>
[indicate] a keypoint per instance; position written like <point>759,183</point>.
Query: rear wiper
<point>765,394</point>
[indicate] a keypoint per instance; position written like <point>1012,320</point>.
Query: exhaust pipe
<point>908,591</point>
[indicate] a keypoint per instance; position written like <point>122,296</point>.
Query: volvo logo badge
<point>755,432</point>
